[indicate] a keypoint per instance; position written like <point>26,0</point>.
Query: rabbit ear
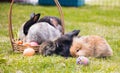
<point>30,22</point>
<point>72,34</point>
<point>36,17</point>
<point>32,15</point>
<point>75,32</point>
<point>67,38</point>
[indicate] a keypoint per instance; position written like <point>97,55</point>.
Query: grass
<point>90,19</point>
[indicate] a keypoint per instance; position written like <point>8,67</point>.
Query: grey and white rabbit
<point>38,31</point>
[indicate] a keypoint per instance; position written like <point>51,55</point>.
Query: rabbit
<point>25,26</point>
<point>40,32</point>
<point>34,18</point>
<point>60,46</point>
<point>54,21</point>
<point>90,46</point>
<point>34,31</point>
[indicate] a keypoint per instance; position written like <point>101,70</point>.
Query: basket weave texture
<point>20,48</point>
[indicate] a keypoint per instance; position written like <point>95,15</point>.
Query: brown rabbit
<point>90,46</point>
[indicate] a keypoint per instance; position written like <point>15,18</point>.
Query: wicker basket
<point>18,47</point>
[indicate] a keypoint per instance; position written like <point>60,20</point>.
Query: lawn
<point>90,19</point>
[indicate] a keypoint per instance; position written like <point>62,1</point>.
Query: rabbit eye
<point>77,50</point>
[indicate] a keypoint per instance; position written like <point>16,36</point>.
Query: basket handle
<point>61,14</point>
<point>10,24</point>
